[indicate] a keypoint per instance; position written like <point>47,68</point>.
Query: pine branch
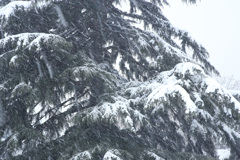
<point>54,117</point>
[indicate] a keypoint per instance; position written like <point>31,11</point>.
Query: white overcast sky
<point>216,25</point>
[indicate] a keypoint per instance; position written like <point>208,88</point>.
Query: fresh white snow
<point>123,5</point>
<point>230,131</point>
<point>22,87</point>
<point>9,9</point>
<point>177,82</point>
<point>154,95</point>
<point>42,3</point>
<point>13,60</point>
<point>32,40</point>
<point>110,156</point>
<point>223,154</point>
<point>195,126</point>
<point>161,93</point>
<point>82,155</point>
<point>197,75</point>
<point>17,152</point>
<point>118,113</point>
<point>154,156</point>
<point>7,133</point>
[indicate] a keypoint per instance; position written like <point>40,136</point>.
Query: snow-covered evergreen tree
<point>91,79</point>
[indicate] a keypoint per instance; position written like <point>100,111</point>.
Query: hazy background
<point>216,25</point>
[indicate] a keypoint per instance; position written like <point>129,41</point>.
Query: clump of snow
<point>122,5</point>
<point>186,73</point>
<point>187,82</point>
<point>17,152</point>
<point>12,7</point>
<point>160,94</point>
<point>7,133</point>
<point>223,153</point>
<point>142,42</point>
<point>151,154</point>
<point>228,111</point>
<point>83,155</point>
<point>183,71</point>
<point>13,60</point>
<point>156,48</point>
<point>43,38</point>
<point>110,155</point>
<point>188,68</point>
<point>21,89</point>
<point>32,40</point>
<point>42,3</point>
<point>198,101</point>
<point>212,86</point>
<point>204,114</point>
<point>190,71</point>
<point>137,89</point>
<point>230,131</point>
<point>195,126</point>
<point>9,9</point>
<point>2,88</point>
<point>118,113</point>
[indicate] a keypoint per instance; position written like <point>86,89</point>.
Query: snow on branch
<point>39,46</point>
<point>10,9</point>
<point>90,72</point>
<point>33,41</point>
